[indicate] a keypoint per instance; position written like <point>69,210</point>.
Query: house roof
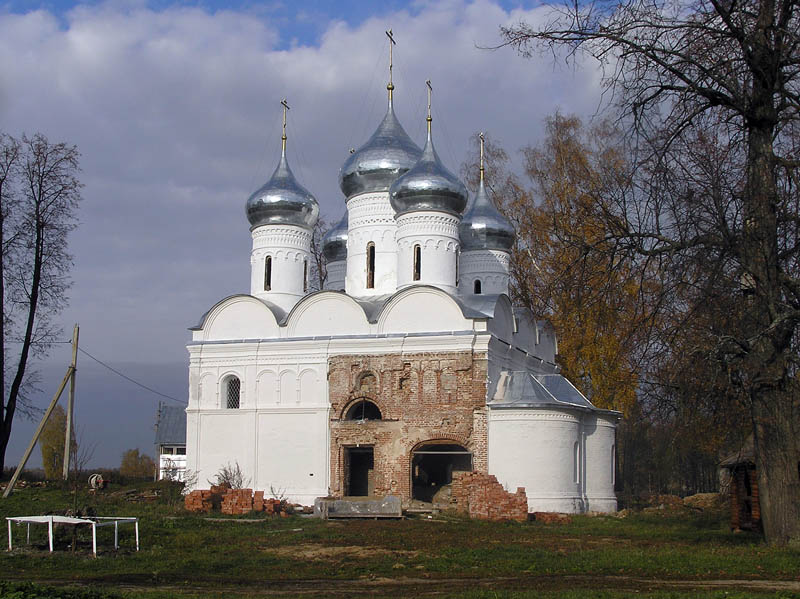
<point>745,455</point>
<point>171,426</point>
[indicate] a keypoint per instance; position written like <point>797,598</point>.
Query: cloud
<point>176,114</point>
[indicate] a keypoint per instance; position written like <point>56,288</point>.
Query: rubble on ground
<point>481,496</point>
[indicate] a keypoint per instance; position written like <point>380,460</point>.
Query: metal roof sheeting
<point>171,426</point>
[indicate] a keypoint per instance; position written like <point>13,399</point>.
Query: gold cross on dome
<point>481,167</point>
<point>390,86</point>
<point>430,90</point>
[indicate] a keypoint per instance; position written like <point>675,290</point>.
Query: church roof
<point>521,389</point>
<point>428,185</point>
<point>389,153</point>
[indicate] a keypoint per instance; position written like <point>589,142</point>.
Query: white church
<point>410,365</point>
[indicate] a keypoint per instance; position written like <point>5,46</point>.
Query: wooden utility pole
<point>67,377</point>
<point>71,402</point>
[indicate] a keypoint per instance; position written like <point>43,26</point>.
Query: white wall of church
<point>239,317</point>
<point>436,234</point>
<point>600,431</point>
<point>490,267</point>
<point>536,449</point>
<point>371,220</point>
<point>331,314</point>
<point>289,249</point>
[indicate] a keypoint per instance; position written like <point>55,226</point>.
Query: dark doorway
<point>432,468</point>
<point>360,464</point>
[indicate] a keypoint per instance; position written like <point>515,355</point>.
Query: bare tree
<point>40,193</point>
<point>680,69</point>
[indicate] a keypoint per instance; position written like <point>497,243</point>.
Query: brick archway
<point>432,465</point>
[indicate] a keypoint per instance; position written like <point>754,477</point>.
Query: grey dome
<point>389,153</point>
<point>334,244</point>
<point>483,227</point>
<point>282,201</point>
<point>428,186</point>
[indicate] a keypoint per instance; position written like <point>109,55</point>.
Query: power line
<point>127,378</point>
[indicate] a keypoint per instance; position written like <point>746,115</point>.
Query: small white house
<point>171,442</point>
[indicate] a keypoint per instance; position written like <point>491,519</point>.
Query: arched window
<point>232,388</point>
<point>305,275</point>
<point>476,288</point>
<point>417,262</point>
<point>370,265</point>
<point>268,273</point>
<point>363,410</point>
<point>577,462</point>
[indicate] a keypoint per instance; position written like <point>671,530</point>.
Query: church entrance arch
<point>432,467</point>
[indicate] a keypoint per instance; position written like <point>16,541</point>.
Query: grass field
<point>662,555</point>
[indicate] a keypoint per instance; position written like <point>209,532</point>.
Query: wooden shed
<point>745,507</point>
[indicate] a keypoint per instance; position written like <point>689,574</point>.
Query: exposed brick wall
<point>482,497</point>
<point>422,397</point>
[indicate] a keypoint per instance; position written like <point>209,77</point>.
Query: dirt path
<point>423,587</point>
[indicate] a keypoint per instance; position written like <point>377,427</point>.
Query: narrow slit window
<point>577,462</point>
<point>370,265</point>
<point>477,287</point>
<point>233,387</point>
<point>417,262</point>
<point>268,273</point>
<point>305,276</point>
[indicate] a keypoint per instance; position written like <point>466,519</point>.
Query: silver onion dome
<point>282,201</point>
<point>428,186</point>
<point>334,244</point>
<point>483,227</point>
<point>389,153</point>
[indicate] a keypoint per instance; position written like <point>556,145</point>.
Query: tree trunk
<point>777,459</point>
<point>766,368</point>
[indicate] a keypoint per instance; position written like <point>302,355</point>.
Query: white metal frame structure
<point>95,523</point>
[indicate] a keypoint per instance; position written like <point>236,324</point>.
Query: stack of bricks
<point>205,500</point>
<point>273,506</point>
<point>233,501</point>
<point>482,497</point>
<point>196,501</point>
<point>237,502</point>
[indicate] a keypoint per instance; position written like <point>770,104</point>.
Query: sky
<point>175,108</point>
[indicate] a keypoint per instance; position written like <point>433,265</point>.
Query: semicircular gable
<point>327,313</point>
<point>422,310</point>
<point>240,317</point>
<point>502,323</point>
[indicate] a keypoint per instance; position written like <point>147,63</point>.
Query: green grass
<point>601,557</point>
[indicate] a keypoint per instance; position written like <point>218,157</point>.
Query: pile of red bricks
<point>233,501</point>
<point>482,497</point>
<point>206,500</point>
<point>237,502</point>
